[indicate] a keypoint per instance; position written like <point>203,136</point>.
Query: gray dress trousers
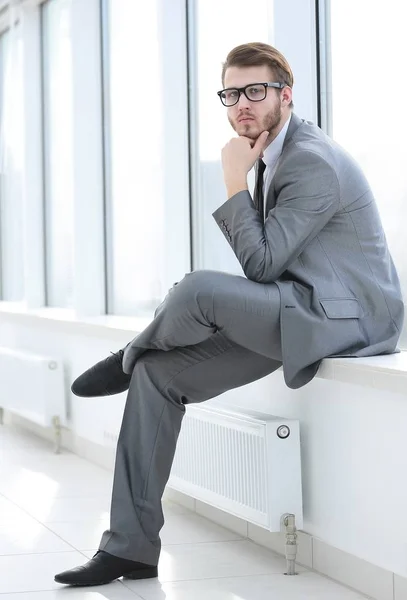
<point>213,332</point>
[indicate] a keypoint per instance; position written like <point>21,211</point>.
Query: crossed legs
<point>213,332</point>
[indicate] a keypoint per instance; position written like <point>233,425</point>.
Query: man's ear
<point>286,95</point>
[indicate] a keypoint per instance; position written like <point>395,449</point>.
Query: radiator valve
<point>288,523</point>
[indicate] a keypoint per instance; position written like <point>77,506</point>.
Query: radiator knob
<point>283,432</point>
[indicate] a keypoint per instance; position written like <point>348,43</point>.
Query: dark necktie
<point>258,189</point>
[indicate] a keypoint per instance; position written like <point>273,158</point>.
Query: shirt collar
<point>273,150</point>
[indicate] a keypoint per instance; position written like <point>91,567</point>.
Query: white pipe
<point>288,522</point>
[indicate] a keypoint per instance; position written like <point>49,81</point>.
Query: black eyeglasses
<point>255,92</point>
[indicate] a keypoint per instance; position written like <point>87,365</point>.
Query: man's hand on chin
<point>238,157</point>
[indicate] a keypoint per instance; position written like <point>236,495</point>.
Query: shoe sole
<point>72,584</point>
<point>137,574</point>
<point>142,573</point>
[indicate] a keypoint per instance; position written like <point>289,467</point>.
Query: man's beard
<point>270,122</point>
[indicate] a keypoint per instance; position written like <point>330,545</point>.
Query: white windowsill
<point>64,318</point>
<point>387,372</point>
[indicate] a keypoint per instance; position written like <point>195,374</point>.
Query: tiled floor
<point>53,509</point>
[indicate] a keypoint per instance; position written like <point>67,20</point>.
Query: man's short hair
<point>257,54</point>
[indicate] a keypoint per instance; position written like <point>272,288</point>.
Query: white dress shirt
<point>271,157</point>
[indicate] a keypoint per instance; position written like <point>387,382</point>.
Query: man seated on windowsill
<point>320,282</point>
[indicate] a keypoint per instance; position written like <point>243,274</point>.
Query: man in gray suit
<point>320,282</point>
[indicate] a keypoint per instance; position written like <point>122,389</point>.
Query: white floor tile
<point>306,586</point>
<point>113,591</point>
<point>32,468</point>
<point>69,478</point>
<point>29,536</point>
<point>49,510</point>
<point>35,572</point>
<point>43,486</point>
<point>81,535</point>
<point>10,512</point>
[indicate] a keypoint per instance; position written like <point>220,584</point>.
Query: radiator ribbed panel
<point>236,461</point>
<point>231,466</point>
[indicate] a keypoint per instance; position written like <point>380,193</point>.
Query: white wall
<point>354,461</point>
<point>87,418</point>
<point>354,443</point>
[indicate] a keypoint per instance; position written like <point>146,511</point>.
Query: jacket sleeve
<point>307,197</point>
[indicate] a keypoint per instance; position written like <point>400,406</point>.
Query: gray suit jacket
<point>323,245</point>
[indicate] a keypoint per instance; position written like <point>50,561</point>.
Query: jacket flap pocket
<point>342,308</point>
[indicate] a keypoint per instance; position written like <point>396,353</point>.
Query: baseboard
<point>96,453</point>
<point>313,553</point>
<point>400,587</point>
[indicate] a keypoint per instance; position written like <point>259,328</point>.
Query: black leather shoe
<point>105,378</point>
<point>104,568</point>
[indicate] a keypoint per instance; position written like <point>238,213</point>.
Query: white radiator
<point>32,386</point>
<point>237,462</point>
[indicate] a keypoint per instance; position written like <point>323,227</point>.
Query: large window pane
<point>213,34</point>
<point>368,91</point>
<point>11,166</point>
<point>58,151</point>
<point>134,103</point>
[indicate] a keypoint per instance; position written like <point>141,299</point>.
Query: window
<point>134,106</point>
<point>213,33</point>
<point>58,151</point>
<point>368,91</point>
<point>11,166</point>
